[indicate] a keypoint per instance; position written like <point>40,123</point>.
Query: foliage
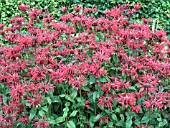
<point>83,70</point>
<point>157,10</point>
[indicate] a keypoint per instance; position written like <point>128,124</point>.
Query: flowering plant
<point>83,71</point>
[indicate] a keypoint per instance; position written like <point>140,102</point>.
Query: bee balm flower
<point>23,7</point>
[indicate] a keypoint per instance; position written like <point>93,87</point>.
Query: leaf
<point>62,95</point>
<point>119,123</point>
<point>67,104</point>
<point>129,123</point>
<point>33,112</point>
<point>115,59</point>
<point>41,113</point>
<point>97,39</point>
<point>70,124</point>
<point>65,112</point>
<point>59,120</point>
<point>48,100</point>
<point>95,96</point>
<point>74,94</point>
<point>4,99</point>
<point>122,117</point>
<point>56,99</point>
<point>114,117</point>
<point>73,114</point>
<point>92,79</point>
<point>117,110</point>
<point>102,79</point>
<point>96,118</point>
<point>159,119</point>
<point>132,88</point>
<point>145,119</point>
<point>69,98</point>
<point>85,88</point>
<point>45,108</point>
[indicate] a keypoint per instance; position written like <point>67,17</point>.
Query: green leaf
<point>74,94</point>
<point>67,104</point>
<point>114,117</point>
<point>59,120</point>
<point>159,119</point>
<point>65,112</point>
<point>122,117</point>
<point>48,100</point>
<point>102,79</point>
<point>92,79</point>
<point>97,39</point>
<point>132,88</point>
<point>85,88</point>
<point>129,123</point>
<point>117,110</point>
<point>70,124</point>
<point>145,119</point>
<point>69,98</point>
<point>96,118</point>
<point>41,113</point>
<point>4,99</point>
<point>56,99</point>
<point>119,123</point>
<point>33,112</point>
<point>73,114</point>
<point>45,108</point>
<point>62,95</point>
<point>95,96</point>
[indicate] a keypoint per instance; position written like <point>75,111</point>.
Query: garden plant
<point>83,70</point>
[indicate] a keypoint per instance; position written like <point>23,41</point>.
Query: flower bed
<point>83,71</point>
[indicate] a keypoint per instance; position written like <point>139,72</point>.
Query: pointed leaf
<point>70,124</point>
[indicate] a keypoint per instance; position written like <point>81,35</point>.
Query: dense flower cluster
<point>44,53</point>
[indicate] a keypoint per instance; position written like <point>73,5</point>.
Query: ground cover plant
<point>83,71</point>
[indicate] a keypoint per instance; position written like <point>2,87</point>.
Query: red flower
<point>23,7</point>
<point>86,104</point>
<point>137,6</point>
<point>106,101</point>
<point>43,124</point>
<point>1,26</point>
<point>36,101</point>
<point>104,119</point>
<point>63,9</point>
<point>136,108</point>
<point>24,120</point>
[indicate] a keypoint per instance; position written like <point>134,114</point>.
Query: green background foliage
<point>157,10</point>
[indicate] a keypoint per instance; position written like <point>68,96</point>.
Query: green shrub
<point>158,10</point>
